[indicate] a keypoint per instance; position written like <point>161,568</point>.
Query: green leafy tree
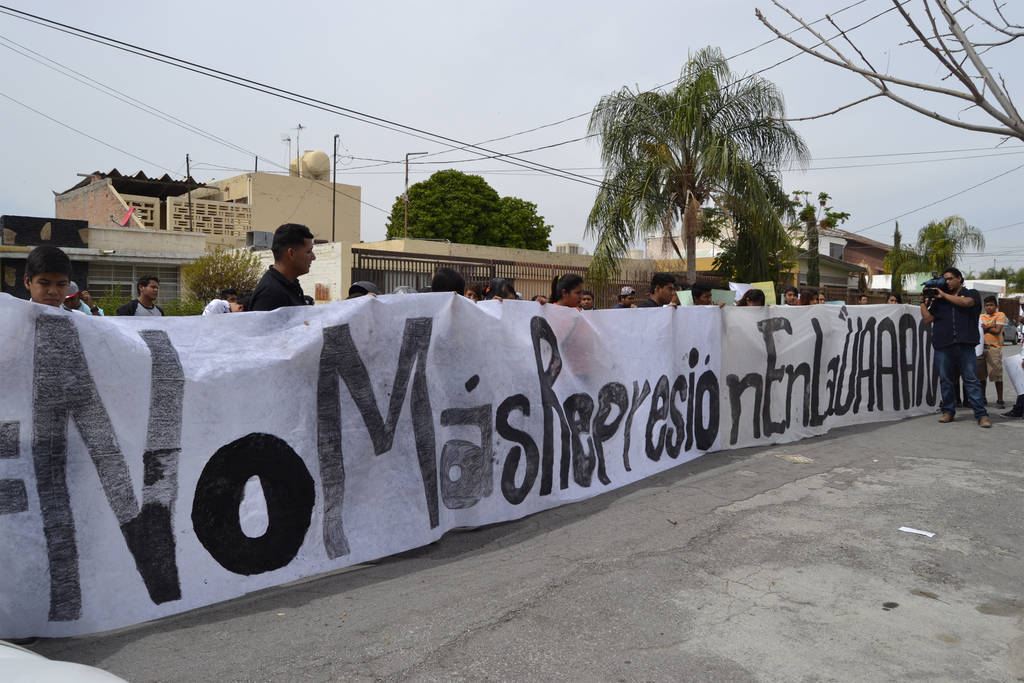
<point>220,269</point>
<point>1014,278</point>
<point>463,208</point>
<point>668,154</point>
<point>900,261</point>
<point>815,218</point>
<point>754,247</point>
<point>940,244</point>
<point>519,226</point>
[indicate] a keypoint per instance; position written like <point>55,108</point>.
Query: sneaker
<point>946,417</point>
<point>985,422</point>
<point>1000,404</point>
<point>1013,413</point>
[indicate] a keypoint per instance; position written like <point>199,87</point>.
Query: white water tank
<point>315,165</point>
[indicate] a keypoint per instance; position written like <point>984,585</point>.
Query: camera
<point>932,287</point>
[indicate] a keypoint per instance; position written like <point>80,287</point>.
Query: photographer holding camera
<point>953,311</point>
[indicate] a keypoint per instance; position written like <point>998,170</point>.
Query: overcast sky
<point>473,71</point>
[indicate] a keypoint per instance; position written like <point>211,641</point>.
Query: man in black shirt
<point>954,313</point>
<point>663,291</point>
<point>293,255</point>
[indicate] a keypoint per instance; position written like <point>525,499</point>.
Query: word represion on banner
<point>177,462</point>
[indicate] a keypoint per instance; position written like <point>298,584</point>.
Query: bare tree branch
<point>1004,100</point>
<point>845,63</point>
<point>950,45</point>
<point>836,111</point>
<point>1004,29</point>
<point>999,11</point>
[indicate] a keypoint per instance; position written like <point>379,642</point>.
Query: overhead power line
<point>142,106</point>
<point>282,93</point>
<point>659,87</point>
<point>939,201</point>
<point>83,133</point>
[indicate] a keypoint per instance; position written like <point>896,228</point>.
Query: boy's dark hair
<point>500,286</point>
<point>894,295</point>
<point>566,283</point>
<point>662,279</point>
<point>698,289</point>
<point>955,272</point>
<point>789,289</point>
<point>289,235</point>
<point>47,259</point>
<point>587,292</point>
<point>230,291</point>
<point>448,280</point>
<point>990,299</point>
<point>755,295</point>
<point>145,280</point>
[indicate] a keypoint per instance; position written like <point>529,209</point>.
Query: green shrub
<point>220,269</point>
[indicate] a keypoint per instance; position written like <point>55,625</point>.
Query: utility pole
<point>405,197</point>
<point>188,177</point>
<point>334,186</point>
<point>298,149</point>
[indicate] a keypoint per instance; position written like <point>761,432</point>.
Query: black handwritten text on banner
<point>149,467</point>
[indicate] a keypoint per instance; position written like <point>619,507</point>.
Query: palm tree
<point>940,244</point>
<point>668,154</point>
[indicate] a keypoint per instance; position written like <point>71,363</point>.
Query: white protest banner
<point>150,466</point>
<point>793,372</point>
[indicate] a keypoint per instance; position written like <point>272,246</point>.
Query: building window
<point>118,279</point>
<point>836,250</point>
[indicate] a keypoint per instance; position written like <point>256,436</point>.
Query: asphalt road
<point>739,566</point>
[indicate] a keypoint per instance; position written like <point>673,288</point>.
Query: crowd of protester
<point>968,342</point>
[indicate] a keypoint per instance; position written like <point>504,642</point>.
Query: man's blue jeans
<point>948,360</point>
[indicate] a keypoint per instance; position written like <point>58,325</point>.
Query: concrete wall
<point>192,244</point>
<point>276,199</point>
<point>95,203</point>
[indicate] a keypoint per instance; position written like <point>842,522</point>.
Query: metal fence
<point>388,270</point>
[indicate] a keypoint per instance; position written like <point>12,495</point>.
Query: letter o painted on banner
<point>287,488</point>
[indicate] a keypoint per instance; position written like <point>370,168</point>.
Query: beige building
<point>224,211</point>
<point>140,225</point>
<point>105,260</point>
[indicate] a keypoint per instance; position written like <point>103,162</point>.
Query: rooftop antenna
<point>287,139</point>
<point>298,149</point>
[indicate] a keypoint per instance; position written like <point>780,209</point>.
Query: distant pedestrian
<point>148,289</point>
<point>662,292</point>
<point>567,290</point>
<point>752,297</point>
<point>448,280</point>
<point>47,275</point>
<point>500,288</point>
<point>894,298</point>
<point>587,300</point>
<point>80,301</point>
<point>953,312</point>
<point>293,256</point>
<point>862,300</point>
<point>702,295</point>
<point>227,303</point>
<point>627,298</point>
<point>362,288</point>
<point>990,367</point>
